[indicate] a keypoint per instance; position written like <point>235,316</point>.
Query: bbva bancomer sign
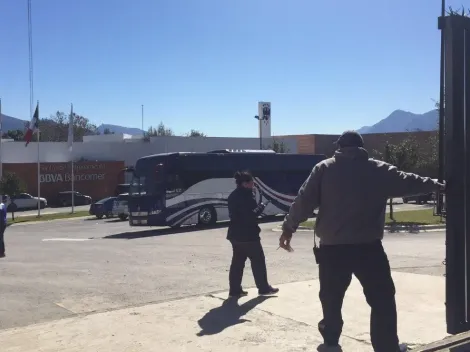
<point>66,177</point>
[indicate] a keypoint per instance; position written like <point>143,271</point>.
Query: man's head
<point>4,198</point>
<point>350,139</point>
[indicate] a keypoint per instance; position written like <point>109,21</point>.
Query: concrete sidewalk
<point>210,323</point>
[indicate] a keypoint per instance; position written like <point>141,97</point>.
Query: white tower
<point>264,113</point>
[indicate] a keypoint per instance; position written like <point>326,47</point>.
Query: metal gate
<point>455,135</point>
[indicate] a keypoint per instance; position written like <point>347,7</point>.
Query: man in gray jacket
<point>351,191</point>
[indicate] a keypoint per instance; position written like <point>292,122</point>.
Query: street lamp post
<point>260,132</point>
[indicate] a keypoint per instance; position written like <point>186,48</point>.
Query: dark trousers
<point>242,251</point>
<point>369,263</point>
<point>2,241</point>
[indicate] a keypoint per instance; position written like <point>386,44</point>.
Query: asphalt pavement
<point>398,206</point>
<point>60,269</point>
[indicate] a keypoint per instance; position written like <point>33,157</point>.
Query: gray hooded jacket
<point>351,192</point>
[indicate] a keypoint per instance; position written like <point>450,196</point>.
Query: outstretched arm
<point>399,183</point>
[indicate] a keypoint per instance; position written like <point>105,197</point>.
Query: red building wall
<point>95,179</point>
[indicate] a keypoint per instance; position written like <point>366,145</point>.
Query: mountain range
<point>13,123</point>
<point>119,129</point>
<point>404,121</point>
<point>397,121</point>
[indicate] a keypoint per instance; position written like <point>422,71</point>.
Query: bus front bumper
<point>154,218</point>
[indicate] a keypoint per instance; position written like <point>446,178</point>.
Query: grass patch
<point>405,218</point>
<point>47,217</point>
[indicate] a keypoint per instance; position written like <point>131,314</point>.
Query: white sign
<point>264,113</point>
<point>53,178</point>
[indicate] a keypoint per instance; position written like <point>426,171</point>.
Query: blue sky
<point>204,64</point>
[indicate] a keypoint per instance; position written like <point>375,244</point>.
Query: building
<point>324,143</point>
<point>96,179</point>
<point>100,160</point>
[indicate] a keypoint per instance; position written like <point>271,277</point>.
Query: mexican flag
<point>33,126</point>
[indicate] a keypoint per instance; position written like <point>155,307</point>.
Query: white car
<point>27,201</point>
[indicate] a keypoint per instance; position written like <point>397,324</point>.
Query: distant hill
<point>12,123</point>
<point>404,121</point>
<point>120,129</point>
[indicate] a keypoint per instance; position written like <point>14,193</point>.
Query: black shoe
<point>269,291</point>
<point>2,255</point>
<point>238,294</point>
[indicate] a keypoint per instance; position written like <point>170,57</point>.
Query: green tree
<point>56,127</point>
<point>11,185</point>
<point>16,135</point>
<point>161,130</point>
<point>195,133</point>
<point>279,146</point>
<point>405,156</point>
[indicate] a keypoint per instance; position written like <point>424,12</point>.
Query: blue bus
<point>177,189</point>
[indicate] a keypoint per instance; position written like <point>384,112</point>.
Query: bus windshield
<point>137,186</point>
<point>150,183</point>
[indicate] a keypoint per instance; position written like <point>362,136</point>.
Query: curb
<point>47,221</point>
<point>449,343</point>
<point>391,229</point>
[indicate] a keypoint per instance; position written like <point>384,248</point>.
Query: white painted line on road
<point>66,239</point>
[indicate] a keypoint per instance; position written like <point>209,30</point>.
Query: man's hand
<point>284,241</point>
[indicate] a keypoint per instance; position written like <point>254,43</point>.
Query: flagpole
<point>71,154</point>
<point>1,135</point>
<point>39,169</point>
<point>31,95</point>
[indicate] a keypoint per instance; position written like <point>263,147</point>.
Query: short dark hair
<point>242,177</point>
<point>350,139</point>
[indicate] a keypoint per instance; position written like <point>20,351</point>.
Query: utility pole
<point>260,132</point>
<point>143,119</point>
<point>441,151</point>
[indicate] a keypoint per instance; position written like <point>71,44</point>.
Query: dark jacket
<point>243,212</point>
<point>351,192</point>
<point>3,215</point>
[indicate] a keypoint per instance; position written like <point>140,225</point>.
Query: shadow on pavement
<point>115,220</point>
<point>228,314</point>
<point>130,235</point>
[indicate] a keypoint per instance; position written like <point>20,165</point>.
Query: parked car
<point>121,207</point>
<point>419,198</point>
<point>65,198</point>
<point>26,201</point>
<point>103,207</point>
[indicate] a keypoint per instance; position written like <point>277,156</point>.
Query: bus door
<point>176,204</point>
<point>154,203</point>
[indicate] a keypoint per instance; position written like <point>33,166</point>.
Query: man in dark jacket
<point>243,233</point>
<point>3,224</point>
<point>351,192</point>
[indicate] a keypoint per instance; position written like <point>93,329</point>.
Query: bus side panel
<point>209,193</point>
<point>280,188</point>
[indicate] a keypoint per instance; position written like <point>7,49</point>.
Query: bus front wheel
<point>207,216</point>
